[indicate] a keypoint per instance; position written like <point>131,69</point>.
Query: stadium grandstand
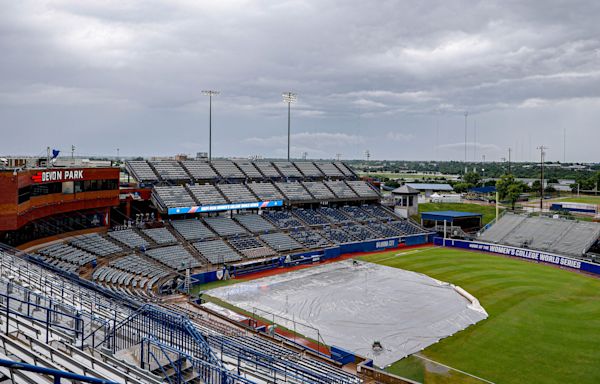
<point>551,234</point>
<point>103,295</point>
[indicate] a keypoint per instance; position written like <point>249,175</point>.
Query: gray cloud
<point>129,74</point>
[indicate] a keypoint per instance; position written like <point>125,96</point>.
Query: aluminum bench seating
<point>174,256</point>
<point>254,223</point>
<point>192,229</point>
<point>170,170</point>
<point>344,169</point>
<point>334,215</point>
<point>267,169</point>
<point>217,251</point>
<point>360,232</point>
<point>308,238</point>
<point>227,169</point>
<point>362,188</point>
<point>129,237</point>
<point>308,169</point>
<point>206,194</point>
<point>280,242</point>
<point>288,169</point>
<point>160,235</point>
<point>294,191</point>
<point>310,217</point>
<point>141,171</point>
<point>340,189</point>
<point>357,213</point>
<point>225,226</point>
<point>336,235</point>
<point>249,169</point>
<point>173,196</point>
<point>200,170</point>
<point>251,247</point>
<point>319,190</point>
<point>237,193</point>
<point>329,169</point>
<point>94,243</point>
<point>282,219</point>
<point>265,191</point>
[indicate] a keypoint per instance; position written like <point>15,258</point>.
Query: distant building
<point>429,189</point>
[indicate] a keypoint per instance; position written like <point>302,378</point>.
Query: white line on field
<point>400,254</point>
<point>454,369</point>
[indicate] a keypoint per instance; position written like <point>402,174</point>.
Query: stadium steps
<point>155,171</point>
<point>150,241</point>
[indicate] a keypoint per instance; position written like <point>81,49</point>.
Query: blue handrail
<point>52,372</point>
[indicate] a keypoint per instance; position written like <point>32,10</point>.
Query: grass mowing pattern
<point>544,324</point>
<point>488,211</point>
<point>583,199</point>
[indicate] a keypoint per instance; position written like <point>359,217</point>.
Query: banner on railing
<point>522,253</point>
<point>225,207</point>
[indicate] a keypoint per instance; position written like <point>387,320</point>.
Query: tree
<point>472,178</point>
<point>509,189</point>
<point>461,187</point>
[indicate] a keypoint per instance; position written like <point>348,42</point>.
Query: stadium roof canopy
<point>430,187</point>
<point>449,216</point>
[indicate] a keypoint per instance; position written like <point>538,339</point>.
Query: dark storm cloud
<point>393,77</point>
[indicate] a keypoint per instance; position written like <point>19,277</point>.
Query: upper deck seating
<point>308,169</point>
<point>329,169</point>
<point>207,194</point>
<point>319,190</point>
<point>341,189</point>
<point>170,170</point>
<point>200,170</point>
<point>294,191</point>
<point>267,169</point>
<point>287,169</point>
<point>141,171</point>
<point>265,191</point>
<point>174,196</point>
<point>227,169</point>
<point>237,193</point>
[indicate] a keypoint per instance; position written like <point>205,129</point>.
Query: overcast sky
<point>391,77</point>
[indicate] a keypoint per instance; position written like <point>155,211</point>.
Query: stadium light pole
<point>542,153</point>
<point>210,93</point>
<point>289,98</point>
<point>466,115</point>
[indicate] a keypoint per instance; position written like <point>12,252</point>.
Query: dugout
<point>467,221</point>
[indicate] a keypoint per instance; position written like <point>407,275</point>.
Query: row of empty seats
<point>96,244</point>
<point>66,257</point>
<point>188,170</point>
<point>562,236</point>
<point>175,256</point>
<point>178,196</point>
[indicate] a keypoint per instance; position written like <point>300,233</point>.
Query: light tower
<point>466,115</point>
<point>542,154</point>
<point>289,98</point>
<point>210,94</point>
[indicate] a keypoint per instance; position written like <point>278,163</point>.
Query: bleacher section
<point>96,244</point>
<point>251,247</point>
<point>174,256</point>
<point>66,257</point>
<point>309,239</point>
<point>217,251</point>
<point>249,169</point>
<point>267,169</point>
<point>336,235</point>
<point>287,169</point>
<point>344,169</point>
<point>227,169</point>
<point>341,189</point>
<point>357,213</point>
<point>319,190</point>
<point>169,170</point>
<point>283,219</point>
<point>360,232</point>
<point>334,215</point>
<point>224,226</point>
<point>206,194</point>
<point>308,169</point>
<point>141,171</point>
<point>86,313</point>
<point>362,189</point>
<point>310,217</point>
<point>406,227</point>
<point>200,170</point>
<point>562,236</point>
<point>175,196</point>
<point>129,237</point>
<point>280,242</point>
<point>265,191</point>
<point>160,235</point>
<point>329,170</point>
<point>192,229</point>
<point>294,191</point>
<point>237,193</point>
<point>254,223</point>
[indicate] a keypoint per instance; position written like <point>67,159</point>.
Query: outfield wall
<point>522,253</point>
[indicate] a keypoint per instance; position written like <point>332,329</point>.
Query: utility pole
<point>289,98</point>
<point>509,168</point>
<point>210,93</point>
<point>542,154</point>
<point>367,155</point>
<point>72,154</point>
<point>466,115</point>
<point>338,156</point>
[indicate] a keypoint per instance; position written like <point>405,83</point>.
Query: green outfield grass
<point>489,212</point>
<point>583,199</point>
<point>543,325</point>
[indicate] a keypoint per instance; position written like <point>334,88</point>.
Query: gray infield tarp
<point>355,305</point>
